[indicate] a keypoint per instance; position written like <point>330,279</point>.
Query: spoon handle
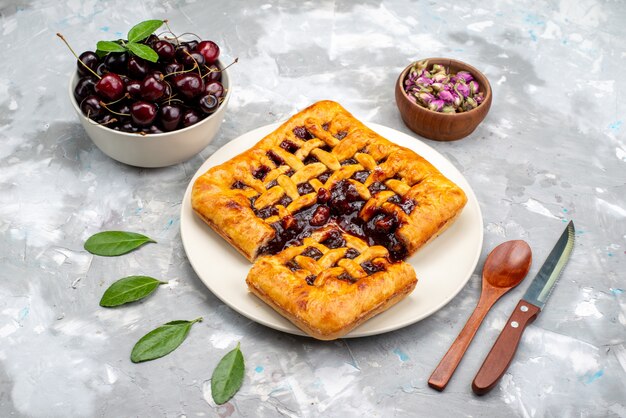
<point>441,375</point>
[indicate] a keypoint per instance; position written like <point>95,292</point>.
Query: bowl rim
<point>218,111</point>
<point>474,71</point>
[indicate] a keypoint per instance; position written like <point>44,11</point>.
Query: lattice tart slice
<point>331,283</point>
<point>323,167</point>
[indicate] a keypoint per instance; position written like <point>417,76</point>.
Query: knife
<point>503,350</point>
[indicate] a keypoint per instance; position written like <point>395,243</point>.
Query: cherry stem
<point>172,99</point>
<point>112,111</point>
<point>167,38</point>
<point>172,94</point>
<point>232,63</point>
<point>112,120</point>
<point>74,53</point>
<point>175,38</point>
<point>167,25</point>
<point>210,70</point>
<point>125,96</point>
<point>180,72</point>
<point>195,63</point>
<point>189,33</point>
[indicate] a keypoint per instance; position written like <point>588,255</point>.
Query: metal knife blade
<point>503,350</point>
<point>542,285</point>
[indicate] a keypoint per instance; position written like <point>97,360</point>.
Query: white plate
<point>443,266</point>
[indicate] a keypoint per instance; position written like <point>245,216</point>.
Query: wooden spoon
<point>505,267</point>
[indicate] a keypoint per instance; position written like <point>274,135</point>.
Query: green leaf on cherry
<point>110,46</point>
<point>143,51</point>
<point>142,30</point>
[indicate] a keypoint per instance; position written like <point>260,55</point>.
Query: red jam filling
<point>340,206</point>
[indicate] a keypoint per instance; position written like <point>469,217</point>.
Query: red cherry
<point>84,88</point>
<point>117,62</point>
<point>170,116</point>
<point>152,88</point>
<point>190,117</point>
<point>189,85</point>
<point>91,107</point>
<point>173,67</point>
<point>151,40</point>
<point>138,68</point>
<point>208,103</point>
<point>209,50</point>
<point>212,73</point>
<point>215,88</point>
<point>110,87</point>
<point>165,49</point>
<point>90,59</point>
<point>134,89</point>
<point>194,58</point>
<point>143,113</point>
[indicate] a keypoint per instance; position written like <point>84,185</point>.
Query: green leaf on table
<point>143,51</point>
<point>129,289</point>
<point>112,243</point>
<point>142,30</point>
<point>161,341</point>
<point>227,376</point>
<point>109,46</point>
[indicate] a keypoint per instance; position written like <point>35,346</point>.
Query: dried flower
<point>441,78</point>
<point>457,100</point>
<point>467,77</point>
<point>448,109</point>
<point>462,89</point>
<point>436,105</point>
<point>471,102</point>
<point>437,68</point>
<point>446,96</point>
<point>473,86</point>
<point>438,86</point>
<point>426,97</point>
<point>441,91</point>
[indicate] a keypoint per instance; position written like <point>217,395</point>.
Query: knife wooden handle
<point>441,375</point>
<point>502,352</point>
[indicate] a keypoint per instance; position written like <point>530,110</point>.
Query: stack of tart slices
<point>327,210</point>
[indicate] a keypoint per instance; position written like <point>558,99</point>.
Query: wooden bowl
<point>443,126</point>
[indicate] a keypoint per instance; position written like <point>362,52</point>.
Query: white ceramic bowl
<point>154,150</point>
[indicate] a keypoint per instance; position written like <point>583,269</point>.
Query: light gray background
<point>551,149</point>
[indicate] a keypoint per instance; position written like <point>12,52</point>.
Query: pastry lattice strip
<point>317,263</point>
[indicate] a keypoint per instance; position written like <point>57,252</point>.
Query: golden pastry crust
<point>245,198</point>
<point>325,293</point>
